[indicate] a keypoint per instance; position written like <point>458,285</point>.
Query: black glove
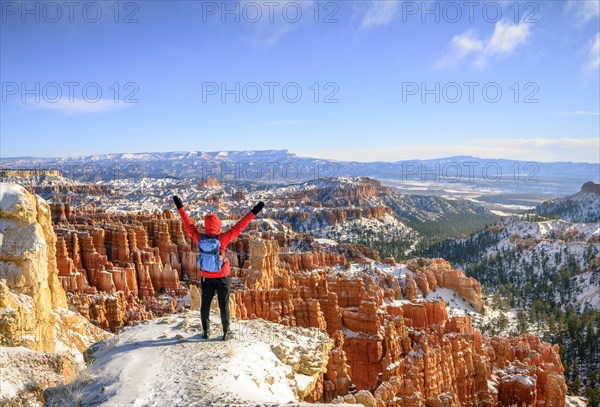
<point>257,208</point>
<point>178,203</point>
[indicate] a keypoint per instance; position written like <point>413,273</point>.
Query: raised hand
<point>178,203</point>
<point>257,208</point>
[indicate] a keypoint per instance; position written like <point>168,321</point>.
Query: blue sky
<point>380,65</point>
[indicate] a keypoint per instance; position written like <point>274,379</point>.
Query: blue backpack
<point>210,259</point>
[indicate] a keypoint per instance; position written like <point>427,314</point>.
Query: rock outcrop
<point>591,187</point>
<point>195,298</point>
<point>29,373</point>
<point>33,303</point>
<point>431,273</point>
<point>29,173</point>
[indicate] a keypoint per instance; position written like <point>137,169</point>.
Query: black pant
<point>221,286</point>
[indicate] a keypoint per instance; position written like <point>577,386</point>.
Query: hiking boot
<point>205,334</point>
<point>227,336</point>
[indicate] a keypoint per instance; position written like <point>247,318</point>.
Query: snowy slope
<point>527,250</point>
<point>421,208</point>
<point>588,294</point>
<point>583,206</point>
<point>166,360</point>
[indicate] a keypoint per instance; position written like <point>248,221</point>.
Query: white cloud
<point>503,41</point>
<point>460,47</point>
<point>379,12</point>
<point>579,113</point>
<point>81,106</point>
<point>593,62</point>
<point>536,149</point>
<point>272,24</point>
<point>583,10</point>
<point>540,143</point>
<point>507,37</point>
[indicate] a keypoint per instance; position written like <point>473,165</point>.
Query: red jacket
<point>224,237</point>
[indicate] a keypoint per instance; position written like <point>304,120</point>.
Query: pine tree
<point>521,322</point>
<point>575,385</point>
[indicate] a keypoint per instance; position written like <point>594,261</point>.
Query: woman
<point>213,262</point>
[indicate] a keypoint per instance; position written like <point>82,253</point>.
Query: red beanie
<point>212,224</point>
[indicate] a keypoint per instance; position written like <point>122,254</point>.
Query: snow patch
<point>10,194</point>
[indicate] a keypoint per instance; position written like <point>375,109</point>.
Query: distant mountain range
<point>466,176</point>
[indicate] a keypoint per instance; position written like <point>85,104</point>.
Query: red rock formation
<point>591,187</point>
<point>521,358</point>
<point>422,282</point>
<point>238,196</point>
<point>337,379</point>
<point>424,314</point>
<point>104,282</point>
<point>113,254</point>
<point>60,212</point>
<point>309,261</point>
<point>389,260</point>
<point>517,389</point>
<point>210,182</point>
<point>390,284</point>
<point>447,277</point>
<point>411,292</point>
<point>555,390</point>
<point>405,352</point>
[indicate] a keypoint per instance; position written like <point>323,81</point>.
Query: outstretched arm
<point>241,225</point>
<point>187,222</point>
